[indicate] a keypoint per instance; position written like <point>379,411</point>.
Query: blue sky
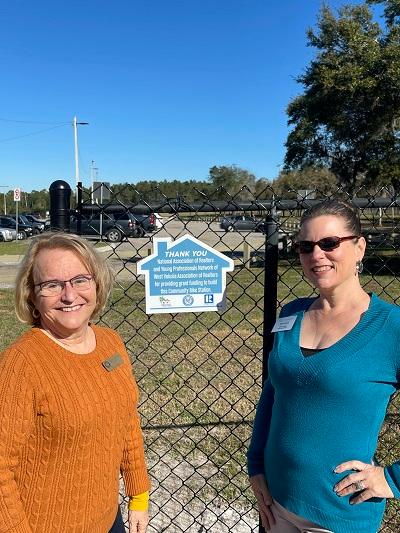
<point>169,87</point>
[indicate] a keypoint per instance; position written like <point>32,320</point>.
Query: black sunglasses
<point>327,244</point>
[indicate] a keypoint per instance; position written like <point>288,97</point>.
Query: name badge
<point>284,323</point>
<point>112,362</point>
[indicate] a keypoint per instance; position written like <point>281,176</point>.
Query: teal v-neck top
<point>318,411</point>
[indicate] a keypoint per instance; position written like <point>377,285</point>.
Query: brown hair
<point>338,208</point>
<point>93,260</point>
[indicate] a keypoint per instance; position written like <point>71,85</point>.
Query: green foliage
<point>289,182</point>
<point>236,182</point>
<point>348,118</point>
<point>230,177</point>
<point>391,9</point>
<point>155,192</point>
<point>223,182</point>
<point>38,201</point>
<point>31,202</point>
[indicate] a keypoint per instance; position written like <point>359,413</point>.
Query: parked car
<point>107,225</point>
<point>36,222</point>
<point>24,230</point>
<point>7,234</point>
<point>376,238</point>
<point>146,222</point>
<point>22,219</point>
<point>242,223</point>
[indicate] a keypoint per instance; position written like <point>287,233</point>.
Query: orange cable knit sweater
<point>68,426</point>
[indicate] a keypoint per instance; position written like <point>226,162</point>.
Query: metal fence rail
<point>200,375</point>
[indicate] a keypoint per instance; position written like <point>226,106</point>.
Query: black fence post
<point>79,209</point>
<point>270,293</point>
<point>270,287</point>
<point>60,196</point>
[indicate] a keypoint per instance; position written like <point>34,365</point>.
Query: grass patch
<point>10,327</point>
<point>14,247</point>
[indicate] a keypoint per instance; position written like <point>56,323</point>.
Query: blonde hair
<point>94,262</point>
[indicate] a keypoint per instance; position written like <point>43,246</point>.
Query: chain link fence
<point>200,374</point>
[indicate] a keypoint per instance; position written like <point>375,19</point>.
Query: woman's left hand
<point>368,481</point>
<point>138,521</point>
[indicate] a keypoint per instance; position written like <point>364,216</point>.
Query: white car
<point>7,234</point>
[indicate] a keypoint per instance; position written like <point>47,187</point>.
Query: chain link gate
<point>200,374</point>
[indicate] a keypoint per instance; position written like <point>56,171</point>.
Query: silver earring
<point>359,267</point>
<point>35,313</point>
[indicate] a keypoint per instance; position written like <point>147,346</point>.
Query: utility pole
<point>75,124</point>
<point>4,197</point>
<point>93,171</point>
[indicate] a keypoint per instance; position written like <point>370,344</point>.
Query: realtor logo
<point>208,298</point>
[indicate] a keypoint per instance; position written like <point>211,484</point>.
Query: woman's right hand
<point>138,521</point>
<point>264,500</point>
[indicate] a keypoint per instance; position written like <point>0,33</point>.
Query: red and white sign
<point>17,194</point>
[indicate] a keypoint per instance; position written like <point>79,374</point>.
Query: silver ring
<point>359,486</point>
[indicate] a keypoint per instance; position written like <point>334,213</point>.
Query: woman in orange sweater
<point>68,418</point>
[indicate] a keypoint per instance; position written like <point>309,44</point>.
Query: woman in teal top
<point>333,368</point>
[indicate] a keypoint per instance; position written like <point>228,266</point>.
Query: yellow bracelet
<point>140,502</point>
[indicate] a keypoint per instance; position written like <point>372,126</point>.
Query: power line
<point>31,121</point>
<point>33,133</point>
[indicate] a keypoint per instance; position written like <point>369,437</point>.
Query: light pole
<point>4,197</point>
<point>75,124</point>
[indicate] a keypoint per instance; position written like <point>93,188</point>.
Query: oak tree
<point>348,117</point>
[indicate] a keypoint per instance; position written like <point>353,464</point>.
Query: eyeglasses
<point>55,287</point>
<point>327,244</point>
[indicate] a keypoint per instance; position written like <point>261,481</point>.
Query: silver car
<point>7,234</point>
